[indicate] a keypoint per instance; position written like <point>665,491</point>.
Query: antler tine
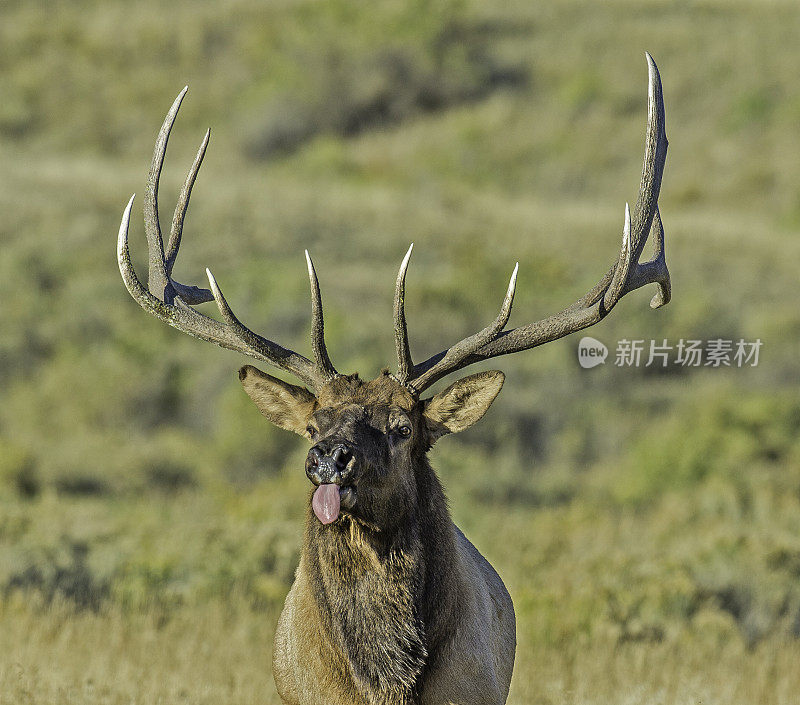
<point>452,358</point>
<point>267,350</point>
<point>404,362</point>
<point>324,365</point>
<point>176,231</point>
<point>659,264</point>
<point>171,302</point>
<point>654,271</point>
<point>655,155</point>
<point>625,276</point>
<point>623,266</point>
<point>157,279</point>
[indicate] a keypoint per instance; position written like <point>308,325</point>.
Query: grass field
<point>646,522</point>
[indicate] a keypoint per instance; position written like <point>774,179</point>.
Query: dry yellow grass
<point>220,653</point>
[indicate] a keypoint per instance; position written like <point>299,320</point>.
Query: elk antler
<point>171,301</point>
<point>626,275</point>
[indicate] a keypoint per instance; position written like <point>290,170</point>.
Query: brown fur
<point>391,604</point>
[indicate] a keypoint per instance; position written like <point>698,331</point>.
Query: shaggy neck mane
<point>387,602</point>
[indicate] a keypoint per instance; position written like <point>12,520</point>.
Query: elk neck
<point>388,601</point>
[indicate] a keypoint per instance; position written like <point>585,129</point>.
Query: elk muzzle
<point>329,465</point>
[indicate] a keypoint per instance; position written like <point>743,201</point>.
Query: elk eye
<point>403,431</point>
<point>311,431</point>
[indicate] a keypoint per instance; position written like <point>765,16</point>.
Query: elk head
<point>369,437</point>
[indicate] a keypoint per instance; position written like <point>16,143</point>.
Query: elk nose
<point>328,464</point>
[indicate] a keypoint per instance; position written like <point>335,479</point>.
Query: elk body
<point>391,604</point>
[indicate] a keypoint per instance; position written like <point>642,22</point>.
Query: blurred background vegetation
<point>646,522</point>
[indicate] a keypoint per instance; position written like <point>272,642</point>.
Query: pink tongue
<point>326,503</point>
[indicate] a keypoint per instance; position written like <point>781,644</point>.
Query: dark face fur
<point>363,443</point>
<point>368,437</point>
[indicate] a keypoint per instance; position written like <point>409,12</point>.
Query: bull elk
<point>391,604</point>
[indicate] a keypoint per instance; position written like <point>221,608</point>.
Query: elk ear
<point>462,404</point>
<point>286,405</point>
